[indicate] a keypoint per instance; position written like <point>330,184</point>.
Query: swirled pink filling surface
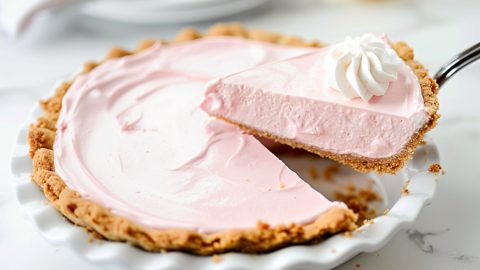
<point>131,136</point>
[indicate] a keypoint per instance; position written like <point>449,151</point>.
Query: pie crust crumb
<point>359,200</point>
<point>330,171</point>
<point>313,173</point>
<point>405,190</point>
<point>217,258</point>
<point>435,168</point>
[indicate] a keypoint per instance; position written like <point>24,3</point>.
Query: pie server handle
<point>458,62</point>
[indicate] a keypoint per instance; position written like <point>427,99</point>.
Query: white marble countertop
<point>447,234</point>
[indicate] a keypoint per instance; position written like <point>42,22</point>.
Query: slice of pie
<point>125,150</point>
<point>364,102</point>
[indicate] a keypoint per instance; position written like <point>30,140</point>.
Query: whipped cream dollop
<point>362,67</point>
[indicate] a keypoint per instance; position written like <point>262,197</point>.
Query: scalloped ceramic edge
<point>114,255</point>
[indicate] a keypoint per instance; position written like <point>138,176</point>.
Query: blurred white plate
<point>168,14</point>
<point>157,5</point>
<point>325,255</point>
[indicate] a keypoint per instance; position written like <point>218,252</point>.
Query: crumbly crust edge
<point>95,217</point>
<point>391,164</point>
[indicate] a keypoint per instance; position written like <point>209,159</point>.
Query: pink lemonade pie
<point>126,151</point>
<point>363,102</point>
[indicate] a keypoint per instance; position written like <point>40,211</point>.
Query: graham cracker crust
<point>379,165</point>
<point>98,219</point>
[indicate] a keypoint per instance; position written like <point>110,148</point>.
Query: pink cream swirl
<point>132,137</point>
<point>363,67</point>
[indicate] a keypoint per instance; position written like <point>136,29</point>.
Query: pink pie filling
<point>131,136</point>
<point>291,99</point>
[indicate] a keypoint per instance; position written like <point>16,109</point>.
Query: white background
<point>446,235</point>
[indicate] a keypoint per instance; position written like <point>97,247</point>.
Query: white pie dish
<point>325,255</point>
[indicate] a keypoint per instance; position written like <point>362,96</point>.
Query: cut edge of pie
<point>392,164</point>
<point>94,217</point>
